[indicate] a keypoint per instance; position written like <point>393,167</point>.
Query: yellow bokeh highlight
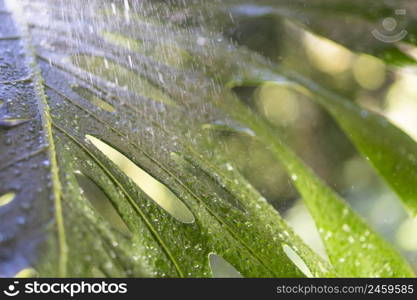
<point>407,235</point>
<point>401,104</point>
<point>326,55</point>
<point>279,103</point>
<point>369,72</point>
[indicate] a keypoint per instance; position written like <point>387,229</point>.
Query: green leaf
<point>107,168</point>
<point>103,119</point>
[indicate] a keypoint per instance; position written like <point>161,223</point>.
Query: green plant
<point>93,94</point>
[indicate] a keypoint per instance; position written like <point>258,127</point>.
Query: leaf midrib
<point>46,120</point>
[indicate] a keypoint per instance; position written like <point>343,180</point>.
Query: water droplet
<point>346,228</point>
<point>229,167</point>
<point>21,220</point>
<point>201,41</point>
<point>113,8</point>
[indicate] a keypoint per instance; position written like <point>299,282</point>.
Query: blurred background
<point>387,89</point>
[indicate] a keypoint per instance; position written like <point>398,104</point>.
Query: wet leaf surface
<point>148,78</point>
